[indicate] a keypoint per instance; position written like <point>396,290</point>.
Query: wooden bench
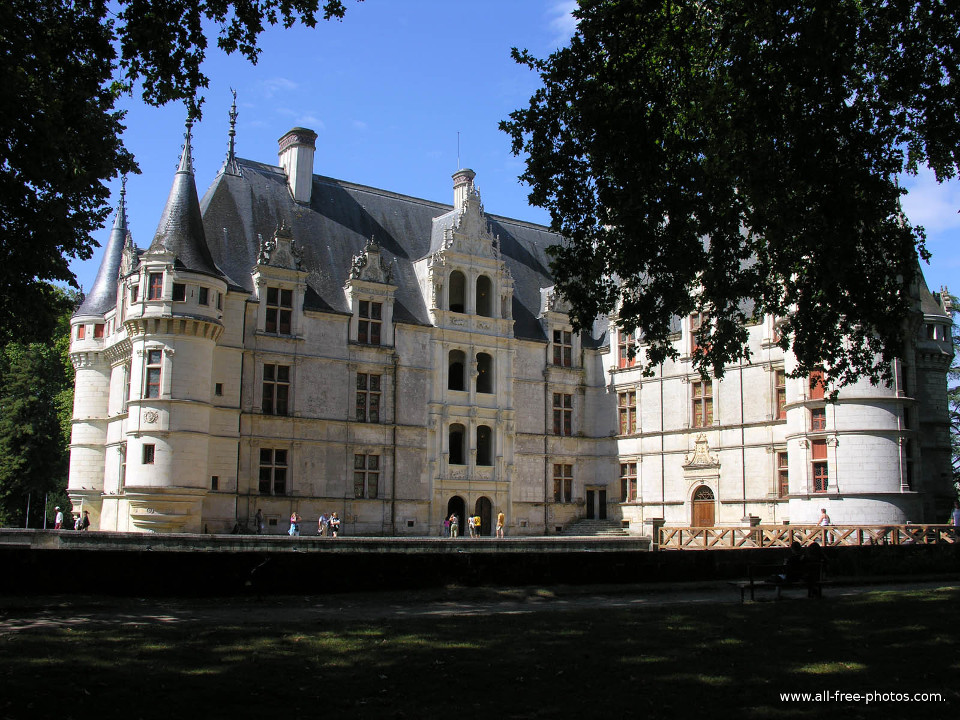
<point>762,577</point>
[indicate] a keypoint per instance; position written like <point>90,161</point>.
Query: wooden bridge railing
<point>722,538</point>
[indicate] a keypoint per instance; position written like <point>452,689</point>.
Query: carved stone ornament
<point>370,265</point>
<point>150,417</point>
<point>281,250</point>
<point>701,455</point>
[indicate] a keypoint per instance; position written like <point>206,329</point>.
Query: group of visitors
<point>328,524</point>
<point>451,526</point>
<point>80,523</point>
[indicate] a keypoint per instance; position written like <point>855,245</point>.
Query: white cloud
<point>277,85</point>
<point>563,25</point>
<point>932,204</point>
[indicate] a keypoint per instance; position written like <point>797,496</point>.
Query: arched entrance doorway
<point>484,509</point>
<point>456,507</point>
<point>703,508</point>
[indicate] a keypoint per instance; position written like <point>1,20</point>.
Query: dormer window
<point>563,348</point>
<point>279,311</point>
<point>81,332</point>
<point>370,321</point>
<point>698,325</point>
<point>203,296</point>
<point>626,349</point>
<point>179,292</point>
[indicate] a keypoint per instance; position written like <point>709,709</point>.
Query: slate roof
<point>103,294</point>
<point>340,219</point>
<point>180,230</point>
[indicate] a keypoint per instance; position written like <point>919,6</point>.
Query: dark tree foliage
<point>737,158</point>
<point>65,64</point>
<point>36,403</point>
<point>60,143</point>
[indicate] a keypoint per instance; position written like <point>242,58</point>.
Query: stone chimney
<point>462,187</point>
<point>296,159</point>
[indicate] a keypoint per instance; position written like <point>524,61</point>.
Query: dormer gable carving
<point>371,266</point>
<point>281,250</point>
<point>552,301</point>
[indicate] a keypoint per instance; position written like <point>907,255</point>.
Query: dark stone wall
<point>344,568</point>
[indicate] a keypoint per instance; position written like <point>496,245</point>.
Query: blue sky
<point>388,90</point>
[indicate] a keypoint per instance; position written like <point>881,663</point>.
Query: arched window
<point>484,373</point>
<point>456,378</point>
<point>458,292</point>
<point>484,445</point>
<point>457,435</point>
<point>484,296</point>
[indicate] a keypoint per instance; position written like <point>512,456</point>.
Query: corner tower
<point>173,322</point>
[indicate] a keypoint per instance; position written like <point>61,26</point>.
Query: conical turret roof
<point>180,231</point>
<point>103,294</point>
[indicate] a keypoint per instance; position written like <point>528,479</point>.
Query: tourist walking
<point>824,518</point>
<point>454,525</point>
<point>501,519</point>
<point>335,525</point>
<point>258,521</point>
<point>294,523</point>
<point>84,522</point>
<point>58,520</point>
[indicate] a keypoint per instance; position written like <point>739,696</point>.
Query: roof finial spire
<point>230,166</point>
<point>120,222</point>
<point>186,160</point>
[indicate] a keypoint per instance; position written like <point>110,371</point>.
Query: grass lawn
<point>717,660</point>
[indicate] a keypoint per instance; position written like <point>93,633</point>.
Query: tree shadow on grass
<point>729,660</point>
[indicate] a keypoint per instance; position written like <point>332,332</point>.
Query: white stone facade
<point>398,373</point>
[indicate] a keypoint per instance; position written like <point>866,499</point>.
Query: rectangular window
<point>179,292</point>
<point>368,398</point>
<point>149,453</point>
<point>627,405</point>
<point>783,476</point>
<point>219,301</point>
<point>780,390</point>
<point>134,293</point>
<point>81,332</point>
<point>819,465</point>
<point>368,326</point>
<point>276,389</point>
<point>127,372</point>
<point>366,475</point>
<point>152,385</point>
<point>626,350</point>
<point>702,403</point>
<point>562,348</point>
<point>628,482</point>
<point>214,482</point>
<point>218,389</point>
<point>562,482</point>
<point>562,414</point>
<point>273,472</point>
<point>816,385</point>
<point>98,330</point>
<point>203,296</point>
<point>698,323</point>
<point>155,286</point>
<point>279,311</point>
<point>818,419</point>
